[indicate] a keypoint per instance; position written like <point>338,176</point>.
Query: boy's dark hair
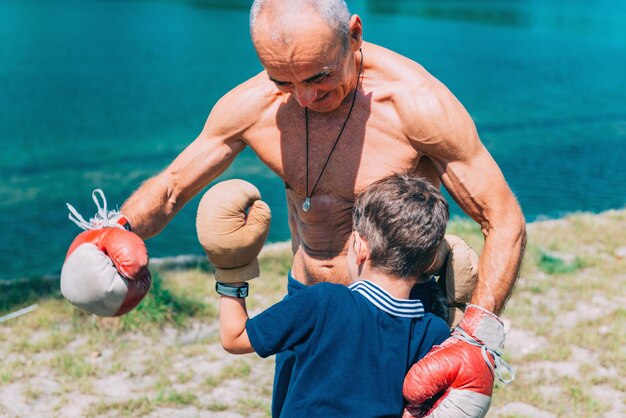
<point>403,219</point>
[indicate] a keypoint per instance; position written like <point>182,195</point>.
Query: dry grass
<point>567,339</point>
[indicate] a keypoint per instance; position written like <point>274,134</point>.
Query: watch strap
<point>233,291</point>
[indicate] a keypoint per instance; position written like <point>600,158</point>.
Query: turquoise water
<point>106,93</point>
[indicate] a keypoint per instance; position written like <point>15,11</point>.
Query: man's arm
<point>470,359</point>
<point>158,199</point>
<point>442,130</point>
<point>233,318</point>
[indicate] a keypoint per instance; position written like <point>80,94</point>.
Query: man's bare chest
<point>325,159</point>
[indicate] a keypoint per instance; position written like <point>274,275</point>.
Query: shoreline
<point>182,261</point>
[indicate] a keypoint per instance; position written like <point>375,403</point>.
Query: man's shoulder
<point>243,107</point>
<point>391,69</point>
<point>253,93</point>
<point>403,81</point>
<point>426,108</point>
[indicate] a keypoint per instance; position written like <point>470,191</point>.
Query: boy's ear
<point>361,249</point>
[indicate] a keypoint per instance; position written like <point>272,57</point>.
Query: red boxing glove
<point>106,268</point>
<point>459,372</point>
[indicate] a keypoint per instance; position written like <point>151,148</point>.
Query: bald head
<point>277,19</point>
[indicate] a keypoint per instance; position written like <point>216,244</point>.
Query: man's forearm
<point>499,263</point>
<point>152,206</point>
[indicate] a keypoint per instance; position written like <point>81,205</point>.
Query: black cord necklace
<point>306,206</point>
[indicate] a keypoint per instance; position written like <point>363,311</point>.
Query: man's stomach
<point>311,268</point>
<point>320,237</point>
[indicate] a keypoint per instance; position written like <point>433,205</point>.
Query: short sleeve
<point>435,331</point>
<point>288,323</point>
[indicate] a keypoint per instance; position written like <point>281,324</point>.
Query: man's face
<point>315,66</point>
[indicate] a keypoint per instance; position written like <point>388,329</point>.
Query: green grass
<point>246,406</point>
<point>135,407</point>
<point>71,366</point>
<point>163,306</point>
<point>17,295</point>
<point>552,264</point>
<point>238,369</point>
<point>174,398</point>
<point>217,407</point>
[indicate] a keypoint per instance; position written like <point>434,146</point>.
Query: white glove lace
<point>497,357</point>
<point>102,219</point>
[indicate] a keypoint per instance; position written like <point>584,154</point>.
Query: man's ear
<point>356,33</point>
<point>431,269</point>
<point>361,249</point>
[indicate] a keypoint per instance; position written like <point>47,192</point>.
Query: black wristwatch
<point>234,291</point>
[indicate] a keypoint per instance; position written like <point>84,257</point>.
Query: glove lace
<point>499,362</point>
<point>102,218</point>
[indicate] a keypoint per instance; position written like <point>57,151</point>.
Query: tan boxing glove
<point>457,265</point>
<point>232,225</point>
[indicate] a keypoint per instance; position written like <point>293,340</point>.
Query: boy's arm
<point>233,318</point>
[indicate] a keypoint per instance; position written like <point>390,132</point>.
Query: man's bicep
<point>442,130</point>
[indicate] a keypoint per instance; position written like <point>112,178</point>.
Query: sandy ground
<point>183,372</point>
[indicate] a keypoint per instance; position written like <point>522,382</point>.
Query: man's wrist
<point>484,326</point>
<point>125,223</point>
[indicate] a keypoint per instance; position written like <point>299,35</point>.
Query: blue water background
<point>104,94</point>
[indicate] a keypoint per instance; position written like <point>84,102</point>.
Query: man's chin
<point>325,105</point>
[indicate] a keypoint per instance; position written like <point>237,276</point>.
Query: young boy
<point>354,345</point>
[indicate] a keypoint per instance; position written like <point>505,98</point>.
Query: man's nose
<point>305,95</point>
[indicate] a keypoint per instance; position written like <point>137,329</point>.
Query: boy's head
<point>399,222</point>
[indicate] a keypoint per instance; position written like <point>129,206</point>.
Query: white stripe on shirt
<point>404,308</point>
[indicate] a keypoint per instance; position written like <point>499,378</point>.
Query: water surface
<point>106,93</point>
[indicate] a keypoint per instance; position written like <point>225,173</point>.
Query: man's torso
<point>372,146</point>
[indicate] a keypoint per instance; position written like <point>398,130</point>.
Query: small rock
<point>525,410</point>
<point>620,252</point>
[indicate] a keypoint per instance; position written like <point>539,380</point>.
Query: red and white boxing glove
<point>106,267</point>
<point>455,379</point>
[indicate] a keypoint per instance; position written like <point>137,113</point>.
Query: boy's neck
<point>396,287</point>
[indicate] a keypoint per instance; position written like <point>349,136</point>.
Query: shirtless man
<point>292,115</point>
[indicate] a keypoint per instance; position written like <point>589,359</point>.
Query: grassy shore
<point>566,338</point>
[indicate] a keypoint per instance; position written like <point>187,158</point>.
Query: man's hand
<point>456,378</point>
<point>106,268</point>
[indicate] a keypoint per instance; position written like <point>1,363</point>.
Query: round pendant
<point>306,206</point>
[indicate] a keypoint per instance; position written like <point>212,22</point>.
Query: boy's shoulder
<point>434,325</point>
<point>332,298</point>
<point>435,321</point>
<point>327,290</point>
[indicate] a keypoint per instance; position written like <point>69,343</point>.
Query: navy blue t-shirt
<point>353,346</point>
